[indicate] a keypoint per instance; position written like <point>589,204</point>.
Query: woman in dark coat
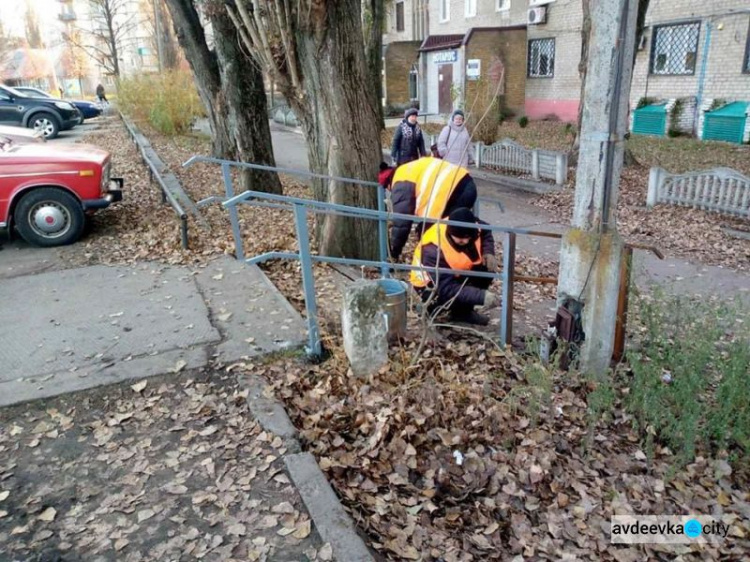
<point>408,142</point>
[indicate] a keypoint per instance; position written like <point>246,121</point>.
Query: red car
<point>47,190</point>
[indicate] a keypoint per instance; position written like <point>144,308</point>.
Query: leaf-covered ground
<point>477,454</point>
<point>173,468</point>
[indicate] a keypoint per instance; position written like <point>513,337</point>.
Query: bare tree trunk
<point>191,37</point>
<point>242,81</point>
<point>373,30</point>
<point>342,127</point>
<point>318,59</point>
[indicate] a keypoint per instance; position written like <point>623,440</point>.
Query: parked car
<point>47,190</point>
<point>88,109</point>
<point>20,135</point>
<point>49,116</point>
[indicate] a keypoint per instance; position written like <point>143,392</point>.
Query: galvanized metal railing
<point>302,207</point>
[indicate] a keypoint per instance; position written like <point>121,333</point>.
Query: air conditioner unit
<point>537,15</point>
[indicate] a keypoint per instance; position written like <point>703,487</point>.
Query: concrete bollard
<point>364,326</point>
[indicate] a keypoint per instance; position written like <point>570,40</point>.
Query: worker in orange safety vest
<point>428,188</point>
<point>461,248</point>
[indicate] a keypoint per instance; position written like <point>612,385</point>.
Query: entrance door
<point>445,81</point>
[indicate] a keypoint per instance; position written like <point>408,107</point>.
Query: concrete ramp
<point>73,329</point>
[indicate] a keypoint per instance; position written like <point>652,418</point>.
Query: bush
<point>523,122</point>
<point>690,382</point>
<point>168,101</point>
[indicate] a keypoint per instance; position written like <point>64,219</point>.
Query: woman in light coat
<point>454,143</point>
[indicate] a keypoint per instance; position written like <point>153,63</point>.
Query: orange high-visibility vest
<point>434,181</point>
<point>438,234</point>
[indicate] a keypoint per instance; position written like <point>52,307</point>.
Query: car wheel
<point>49,217</point>
<point>46,123</point>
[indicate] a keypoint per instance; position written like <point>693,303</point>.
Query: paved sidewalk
<point>70,329</point>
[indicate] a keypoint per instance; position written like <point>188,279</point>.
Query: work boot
<point>469,317</point>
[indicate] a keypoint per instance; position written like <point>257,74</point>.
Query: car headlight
<point>105,176</point>
<point>63,105</point>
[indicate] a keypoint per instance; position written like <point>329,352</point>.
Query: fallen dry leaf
<point>139,386</point>
<point>47,515</point>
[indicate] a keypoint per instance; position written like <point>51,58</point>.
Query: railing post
<point>561,168</point>
<point>308,281</point>
<point>535,164</point>
<point>506,306</point>
<point>382,232</point>
<point>184,232</point>
<point>654,179</point>
<point>234,216</point>
<point>478,152</point>
<point>622,304</point>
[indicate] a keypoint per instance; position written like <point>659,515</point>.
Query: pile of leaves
<point>158,470</point>
<point>472,453</point>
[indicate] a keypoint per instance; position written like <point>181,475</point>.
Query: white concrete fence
<point>509,155</point>
<point>721,190</point>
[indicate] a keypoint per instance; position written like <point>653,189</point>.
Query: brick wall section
<point>509,47</point>
<point>724,77</point>
<point>564,18</point>
<point>399,59</point>
<point>487,16</point>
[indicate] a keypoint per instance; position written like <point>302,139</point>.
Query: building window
<point>502,5</point>
<point>445,10</point>
<point>413,84</point>
<point>674,48</point>
<point>746,66</point>
<point>470,8</point>
<point>541,58</point>
<point>399,16</point>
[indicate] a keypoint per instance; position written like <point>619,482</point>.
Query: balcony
<point>67,16</point>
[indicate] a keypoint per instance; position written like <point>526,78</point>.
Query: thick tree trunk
<point>341,123</point>
<point>203,63</point>
<point>373,30</point>
<point>247,115</point>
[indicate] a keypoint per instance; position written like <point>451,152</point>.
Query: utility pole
<point>591,253</point>
<point>157,31</point>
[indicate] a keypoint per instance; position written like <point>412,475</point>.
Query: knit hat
<point>385,175</point>
<point>463,214</point>
<point>411,111</point>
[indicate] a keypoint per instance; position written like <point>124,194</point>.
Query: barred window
<point>541,58</point>
<point>674,48</point>
<point>746,66</point>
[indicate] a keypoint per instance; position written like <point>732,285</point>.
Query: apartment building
<point>437,51</point>
<point>695,56</point>
<point>440,54</point>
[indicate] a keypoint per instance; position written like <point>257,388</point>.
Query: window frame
<point>746,61</point>
<point>502,5</point>
<point>445,11</point>
<point>468,13</point>
<point>414,75</point>
<point>550,74</point>
<point>402,27</point>
<point>654,44</point>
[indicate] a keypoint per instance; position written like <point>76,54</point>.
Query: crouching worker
<point>428,188</point>
<point>456,247</point>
